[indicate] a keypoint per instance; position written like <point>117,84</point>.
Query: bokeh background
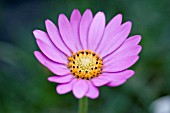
<point>23,80</point>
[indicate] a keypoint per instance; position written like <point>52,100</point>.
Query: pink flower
<point>85,54</point>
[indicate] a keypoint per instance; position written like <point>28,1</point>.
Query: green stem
<point>83,105</point>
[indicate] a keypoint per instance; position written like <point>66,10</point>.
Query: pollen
<point>85,64</point>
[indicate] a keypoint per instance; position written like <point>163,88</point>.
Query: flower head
<point>85,53</point>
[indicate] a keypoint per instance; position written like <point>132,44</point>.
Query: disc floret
<point>85,64</point>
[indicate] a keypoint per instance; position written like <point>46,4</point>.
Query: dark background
<point>23,81</point>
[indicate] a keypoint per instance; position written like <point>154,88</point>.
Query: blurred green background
<point>23,80</point>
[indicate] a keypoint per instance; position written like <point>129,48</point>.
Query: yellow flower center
<point>85,64</point>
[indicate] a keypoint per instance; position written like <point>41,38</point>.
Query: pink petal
<point>118,75</point>
<point>120,78</point>
<point>100,80</point>
<point>65,88</point>
<point>93,91</point>
<point>67,33</point>
<point>61,79</point>
<point>80,88</point>
<point>75,23</point>
<point>41,58</point>
<point>121,64</point>
<point>41,35</point>
<point>131,41</point>
<point>119,54</point>
<point>112,26</point>
<point>115,39</point>
<point>96,31</point>
<point>84,27</point>
<point>116,83</point>
<point>55,37</point>
<point>56,68</point>
<point>52,53</point>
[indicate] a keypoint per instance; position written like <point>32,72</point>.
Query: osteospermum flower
<point>85,53</point>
